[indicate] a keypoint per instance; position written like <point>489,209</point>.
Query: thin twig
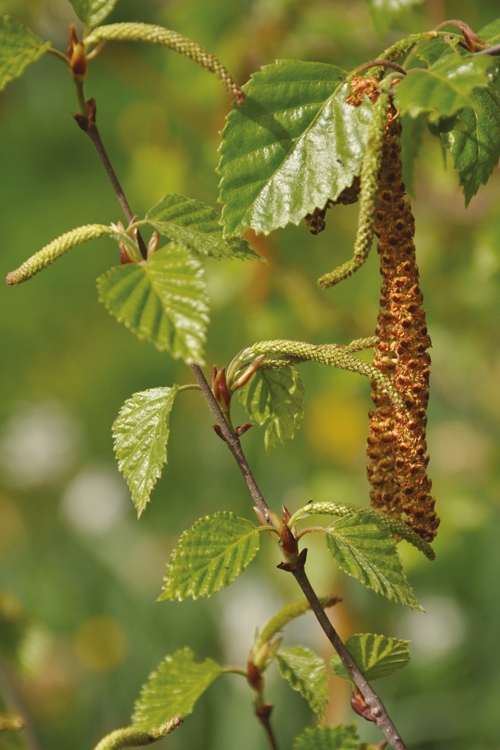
<point>378,710</point>
<point>265,720</point>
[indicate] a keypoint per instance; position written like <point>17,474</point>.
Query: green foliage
<point>328,738</point>
<point>428,51</point>
<point>140,435</point>
<point>376,656</point>
<point>475,147</point>
<point>445,87</point>
<point>384,12</point>
<point>306,673</point>
<point>291,146</point>
<point>491,33</point>
<point>363,547</point>
<point>275,400</point>
<point>291,612</point>
<point>92,12</point>
<point>196,226</point>
<point>209,556</point>
<point>396,527</point>
<point>173,689</point>
<point>19,47</point>
<point>163,300</point>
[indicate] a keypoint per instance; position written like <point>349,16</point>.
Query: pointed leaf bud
<point>79,62</point>
<point>72,41</point>
<point>153,243</point>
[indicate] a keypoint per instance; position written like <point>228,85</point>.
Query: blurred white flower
<point>95,500</point>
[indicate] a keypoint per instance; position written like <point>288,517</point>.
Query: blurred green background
<point>79,574</point>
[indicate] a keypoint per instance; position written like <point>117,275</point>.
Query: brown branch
<point>263,714</point>
<point>377,708</point>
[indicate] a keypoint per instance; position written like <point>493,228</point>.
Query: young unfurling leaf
<point>376,656</point>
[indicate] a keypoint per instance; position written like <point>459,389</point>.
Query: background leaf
<point>209,556</point>
<point>173,689</point>
<point>19,47</point>
<point>275,400</point>
<point>197,226</point>
<point>445,88</point>
<point>163,300</point>
<point>291,146</point>
<point>384,12</point>
<point>476,146</point>
<point>428,51</point>
<point>305,671</point>
<point>376,656</point>
<point>363,547</point>
<point>99,10</point>
<point>491,33</point>
<point>328,738</point>
<point>82,9</point>
<point>140,437</point>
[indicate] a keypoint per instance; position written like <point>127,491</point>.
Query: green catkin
<point>55,249</point>
<point>368,196</point>
<point>289,613</point>
<point>151,34</point>
<point>135,737</point>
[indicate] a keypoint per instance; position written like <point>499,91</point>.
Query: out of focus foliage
<point>80,575</point>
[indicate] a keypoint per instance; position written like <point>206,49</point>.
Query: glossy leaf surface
<point>19,47</point>
<point>173,689</point>
<point>363,547</point>
<point>140,438</point>
<point>291,146</point>
<point>376,656</point>
<point>275,400</point>
<point>163,300</point>
<point>196,226</point>
<point>306,673</point>
<point>445,88</point>
<point>476,146</point>
<point>209,556</point>
<point>328,738</point>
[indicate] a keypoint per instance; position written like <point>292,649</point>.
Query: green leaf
<point>384,12</point>
<point>291,146</point>
<point>82,9</point>
<point>163,300</point>
<point>173,689</point>
<point>411,138</point>
<point>428,51</point>
<point>475,147</point>
<point>306,673</point>
<point>491,33</point>
<point>328,738</point>
<point>197,226</point>
<point>275,400</point>
<point>376,656</point>
<point>140,435</point>
<point>19,47</point>
<point>363,547</point>
<point>99,10</point>
<point>209,556</point>
<point>395,527</point>
<point>445,88</point>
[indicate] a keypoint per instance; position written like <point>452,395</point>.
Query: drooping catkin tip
<point>12,278</point>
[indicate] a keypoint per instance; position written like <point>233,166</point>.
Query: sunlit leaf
<point>476,146</point>
<point>363,547</point>
<point>428,51</point>
<point>328,738</point>
<point>173,689</point>
<point>209,556</point>
<point>197,226</point>
<point>140,436</point>
<point>163,300</point>
<point>291,146</point>
<point>491,33</point>
<point>376,656</point>
<point>385,12</point>
<point>305,671</point>
<point>275,400</point>
<point>19,47</point>
<point>445,88</point>
<point>99,10</point>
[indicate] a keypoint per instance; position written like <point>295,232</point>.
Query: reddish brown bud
<point>79,62</point>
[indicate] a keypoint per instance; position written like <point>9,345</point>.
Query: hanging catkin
<point>397,447</point>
